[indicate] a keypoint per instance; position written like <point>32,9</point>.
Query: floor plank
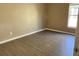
<point>45,43</point>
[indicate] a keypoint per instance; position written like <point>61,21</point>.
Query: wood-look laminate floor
<point>45,43</point>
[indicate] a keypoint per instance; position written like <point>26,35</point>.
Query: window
<point>73,15</point>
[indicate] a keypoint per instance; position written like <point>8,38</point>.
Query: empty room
<point>39,29</point>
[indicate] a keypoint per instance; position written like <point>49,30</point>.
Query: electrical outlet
<point>11,33</point>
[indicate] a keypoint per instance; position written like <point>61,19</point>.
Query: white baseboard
<point>60,31</point>
<point>14,38</point>
<point>5,41</point>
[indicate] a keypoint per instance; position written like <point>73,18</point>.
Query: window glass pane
<point>72,22</point>
<point>73,11</point>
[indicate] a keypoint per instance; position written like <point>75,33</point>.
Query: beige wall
<point>25,18</point>
<point>77,30</point>
<point>20,19</point>
<point>58,17</point>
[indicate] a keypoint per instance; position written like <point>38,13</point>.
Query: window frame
<point>69,15</point>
